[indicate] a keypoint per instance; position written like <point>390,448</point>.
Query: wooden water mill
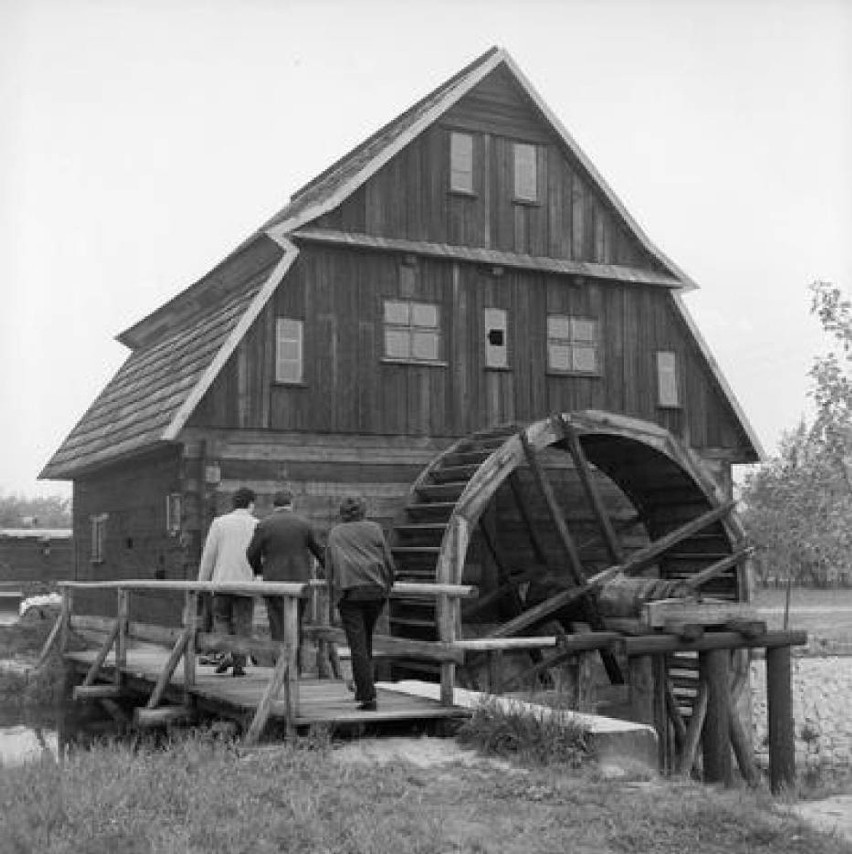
<point>565,525</point>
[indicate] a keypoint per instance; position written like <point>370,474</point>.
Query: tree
<point>799,504</point>
<point>18,511</point>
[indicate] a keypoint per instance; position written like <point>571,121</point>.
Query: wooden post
<point>65,616</point>
<point>171,664</point>
<point>190,624</point>
<point>122,618</point>
<point>279,675</point>
<point>447,634</point>
<point>716,742</point>
<point>100,658</point>
<point>660,681</point>
<point>693,732</point>
<point>779,701</point>
<point>291,654</point>
<point>642,689</point>
<point>584,689</point>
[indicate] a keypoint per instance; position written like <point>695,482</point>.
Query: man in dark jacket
<point>281,550</point>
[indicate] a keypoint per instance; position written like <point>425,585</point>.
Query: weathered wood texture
<point>571,218</point>
<point>349,388</point>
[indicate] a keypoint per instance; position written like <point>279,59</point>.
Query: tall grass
<point>541,737</point>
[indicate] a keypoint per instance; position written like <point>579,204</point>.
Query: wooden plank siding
<point>349,388</point>
<point>409,198</point>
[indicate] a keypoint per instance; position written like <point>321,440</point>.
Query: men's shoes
<point>368,706</point>
<point>238,670</point>
<point>224,664</point>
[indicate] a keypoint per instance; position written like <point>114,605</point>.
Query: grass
<point>200,795</point>
<point>543,738</point>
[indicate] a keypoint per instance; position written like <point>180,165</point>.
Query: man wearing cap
<point>281,550</point>
<point>224,559</point>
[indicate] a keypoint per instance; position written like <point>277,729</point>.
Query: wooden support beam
<point>100,658</point>
<point>518,494</point>
<point>393,647</point>
<point>96,692</point>
<point>121,620</point>
<point>779,701</point>
<point>675,717</point>
<point>575,566</point>
<point>190,622</point>
<point>52,640</point>
<point>273,688</point>
<point>162,716</point>
<point>716,741</point>
<point>169,668</point>
<point>587,479</point>
<point>657,644</point>
<point>716,569</point>
<point>693,732</point>
<point>290,652</point>
<point>449,617</point>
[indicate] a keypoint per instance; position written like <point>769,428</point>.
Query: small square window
<point>174,512</point>
<point>573,344</point>
<point>526,172</point>
<point>412,331</point>
<point>461,162</point>
<point>288,350</point>
<point>99,528</point>
<point>496,349</point>
<point>667,391</point>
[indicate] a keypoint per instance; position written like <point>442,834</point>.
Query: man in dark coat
<point>281,550</point>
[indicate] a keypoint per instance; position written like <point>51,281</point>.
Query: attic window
<point>288,350</point>
<point>412,331</point>
<point>496,344</point>
<point>526,172</point>
<point>667,393</point>
<point>461,162</point>
<point>99,523</point>
<point>572,344</point>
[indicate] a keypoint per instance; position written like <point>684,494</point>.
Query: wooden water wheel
<point>530,514</point>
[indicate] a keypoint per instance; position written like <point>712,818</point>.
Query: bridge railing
<point>116,634</point>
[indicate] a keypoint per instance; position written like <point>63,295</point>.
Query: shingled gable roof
<point>157,388</point>
<point>154,393</point>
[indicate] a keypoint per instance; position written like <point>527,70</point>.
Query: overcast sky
<point>140,141</point>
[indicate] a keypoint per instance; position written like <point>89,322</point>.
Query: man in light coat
<point>224,559</point>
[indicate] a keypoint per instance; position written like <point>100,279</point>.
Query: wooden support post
<point>716,742</point>
<point>584,689</point>
<point>642,689</point>
<point>190,624</point>
<point>122,619</point>
<point>574,564</point>
<point>100,658</point>
<point>161,717</point>
<point>291,654</point>
<point>66,609</point>
<point>587,478</point>
<point>168,669</point>
<point>446,607</point>
<point>96,692</point>
<point>661,717</point>
<point>52,639</point>
<point>279,676</point>
<point>678,725</point>
<point>693,732</point>
<point>779,701</point>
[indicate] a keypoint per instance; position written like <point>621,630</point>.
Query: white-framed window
<point>461,162</point>
<point>573,344</point>
<point>174,512</point>
<point>496,338</point>
<point>289,347</point>
<point>526,172</point>
<point>99,528</point>
<point>412,331</point>
<point>667,390</point>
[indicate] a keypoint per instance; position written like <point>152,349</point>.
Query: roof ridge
<point>399,119</point>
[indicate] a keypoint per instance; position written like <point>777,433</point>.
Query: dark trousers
<point>275,611</point>
<point>359,619</point>
<point>232,615</point>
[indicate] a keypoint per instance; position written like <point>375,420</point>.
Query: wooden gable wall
<point>349,388</point>
<point>410,198</point>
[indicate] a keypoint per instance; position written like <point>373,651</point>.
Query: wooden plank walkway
<point>320,701</point>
